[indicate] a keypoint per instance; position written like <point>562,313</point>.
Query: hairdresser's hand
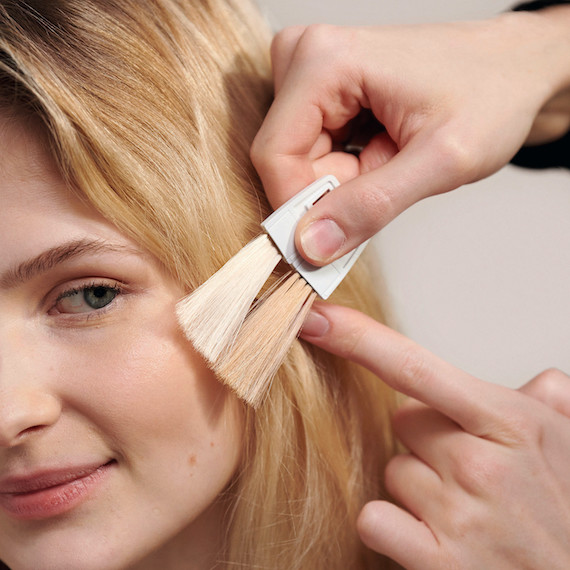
<point>485,483</point>
<point>457,101</point>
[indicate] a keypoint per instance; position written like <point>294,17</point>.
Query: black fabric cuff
<point>556,153</point>
<point>538,4</point>
<point>550,155</point>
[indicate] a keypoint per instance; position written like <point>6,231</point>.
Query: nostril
<point>31,430</point>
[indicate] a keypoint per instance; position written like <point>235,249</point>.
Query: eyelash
<point>82,289</point>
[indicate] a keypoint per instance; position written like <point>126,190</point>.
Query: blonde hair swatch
<point>214,313</point>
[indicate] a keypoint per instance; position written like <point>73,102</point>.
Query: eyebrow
<point>55,256</point>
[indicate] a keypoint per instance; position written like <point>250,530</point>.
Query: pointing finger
<point>478,407</point>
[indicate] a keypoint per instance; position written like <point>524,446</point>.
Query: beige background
<point>480,276</point>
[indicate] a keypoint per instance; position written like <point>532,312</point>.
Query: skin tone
<point>457,101</point>
<point>485,482</point>
<point>115,440</point>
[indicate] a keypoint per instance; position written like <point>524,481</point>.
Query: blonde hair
<point>151,108</point>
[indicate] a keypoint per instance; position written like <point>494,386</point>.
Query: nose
<point>24,411</point>
<point>26,403</point>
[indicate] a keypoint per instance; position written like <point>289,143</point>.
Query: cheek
<point>150,395</point>
<point>133,389</point>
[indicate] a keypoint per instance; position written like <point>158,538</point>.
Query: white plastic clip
<point>280,226</point>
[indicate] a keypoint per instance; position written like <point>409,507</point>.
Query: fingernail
<point>320,240</point>
<point>315,325</point>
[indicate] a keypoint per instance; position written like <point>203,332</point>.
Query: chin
<point>81,554</point>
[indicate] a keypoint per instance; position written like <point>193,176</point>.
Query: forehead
<point>28,174</point>
<point>39,210</point>
<point>24,145</point>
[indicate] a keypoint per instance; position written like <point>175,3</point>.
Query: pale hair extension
<point>213,314</point>
<point>250,363</point>
<point>151,108</point>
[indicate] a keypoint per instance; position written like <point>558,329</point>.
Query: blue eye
<point>98,297</point>
<point>86,299</point>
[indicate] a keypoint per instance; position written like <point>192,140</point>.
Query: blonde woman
<point>125,182</point>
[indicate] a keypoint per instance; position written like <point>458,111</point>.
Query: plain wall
<point>480,276</point>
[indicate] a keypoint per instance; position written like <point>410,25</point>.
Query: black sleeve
<point>552,154</point>
<point>548,155</point>
<point>538,4</point>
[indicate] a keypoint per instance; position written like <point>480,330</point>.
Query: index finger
<point>311,97</point>
<point>477,406</point>
<point>281,150</point>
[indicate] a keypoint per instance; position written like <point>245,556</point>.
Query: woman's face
<point>115,440</point>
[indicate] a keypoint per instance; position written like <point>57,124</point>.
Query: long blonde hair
<point>151,108</point>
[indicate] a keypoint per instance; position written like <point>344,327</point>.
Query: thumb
<point>356,210</point>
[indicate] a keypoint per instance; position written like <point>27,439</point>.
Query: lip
<point>48,493</point>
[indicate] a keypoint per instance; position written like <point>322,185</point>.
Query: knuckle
<point>519,429</point>
<point>374,204</point>
<point>483,474</point>
<point>466,520</point>
<point>456,156</point>
<point>552,388</point>
<point>318,40</point>
<point>413,370</point>
<point>256,151</point>
<point>549,382</point>
<point>285,40</point>
<point>394,476</point>
<point>323,42</point>
<point>263,152</point>
<point>351,342</point>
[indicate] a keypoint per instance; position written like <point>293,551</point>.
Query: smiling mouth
<point>46,495</point>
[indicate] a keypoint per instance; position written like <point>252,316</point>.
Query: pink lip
<point>45,494</point>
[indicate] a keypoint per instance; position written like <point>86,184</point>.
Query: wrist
<point>545,55</point>
<point>556,20</point>
<point>544,40</point>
